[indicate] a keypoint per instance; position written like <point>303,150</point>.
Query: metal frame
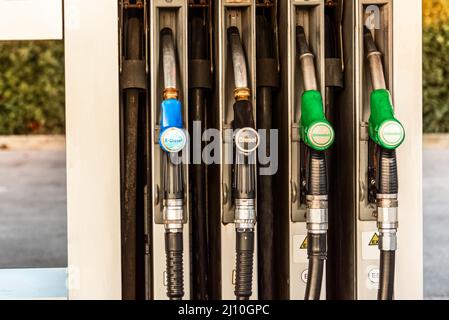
<point>93,152</point>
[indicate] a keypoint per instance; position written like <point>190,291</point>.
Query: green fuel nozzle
<point>315,130</point>
<point>384,128</point>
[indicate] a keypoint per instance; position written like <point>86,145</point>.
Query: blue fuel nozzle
<point>172,138</point>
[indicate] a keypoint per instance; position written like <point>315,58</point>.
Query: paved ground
<point>436,223</point>
<point>33,214</point>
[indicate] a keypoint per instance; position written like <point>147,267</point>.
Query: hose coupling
<point>245,214</point>
<point>173,214</point>
<point>170,93</point>
<point>387,221</point>
<point>317,214</point>
<point>242,94</point>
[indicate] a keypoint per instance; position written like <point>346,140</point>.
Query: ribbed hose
<point>388,172</point>
<point>175,269</point>
<point>316,243</point>
<point>317,174</point>
<point>244,265</point>
<point>386,284</point>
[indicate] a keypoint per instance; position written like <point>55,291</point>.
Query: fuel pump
<point>244,170</point>
<point>386,134</point>
<point>134,102</point>
<point>318,134</point>
<point>200,85</point>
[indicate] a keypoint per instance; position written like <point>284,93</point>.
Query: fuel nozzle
<point>246,142</point>
<point>384,128</point>
<point>388,133</point>
<point>172,140</point>
<point>316,131</point>
<point>318,134</point>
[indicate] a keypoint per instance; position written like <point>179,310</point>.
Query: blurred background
<point>33,223</point>
<point>32,152</point>
<point>436,147</point>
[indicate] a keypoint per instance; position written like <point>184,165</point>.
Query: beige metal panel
<point>93,161</point>
<point>407,17</point>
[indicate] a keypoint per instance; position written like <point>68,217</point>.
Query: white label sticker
<point>30,19</point>
<point>299,247</point>
<point>304,276</point>
<point>370,249</point>
<point>372,277</point>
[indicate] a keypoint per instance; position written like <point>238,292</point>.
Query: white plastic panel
<point>30,19</point>
<point>93,149</point>
<point>407,62</point>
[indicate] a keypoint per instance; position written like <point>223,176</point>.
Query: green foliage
<point>32,97</point>
<point>436,78</point>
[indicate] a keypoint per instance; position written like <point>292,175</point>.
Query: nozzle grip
<point>315,129</point>
<point>384,128</point>
<point>172,137</point>
<point>243,115</point>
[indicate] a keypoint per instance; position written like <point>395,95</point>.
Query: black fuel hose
<point>386,283</point>
<point>316,248</point>
<point>129,217</point>
<point>199,68</point>
<point>266,83</point>
<point>175,265</point>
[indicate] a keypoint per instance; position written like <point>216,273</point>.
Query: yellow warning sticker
<point>304,244</point>
<point>374,240</point>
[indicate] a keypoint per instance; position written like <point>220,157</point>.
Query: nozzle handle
<point>384,128</point>
<point>316,131</point>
